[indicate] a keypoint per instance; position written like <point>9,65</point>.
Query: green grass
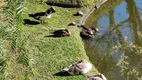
<point>39,57</point>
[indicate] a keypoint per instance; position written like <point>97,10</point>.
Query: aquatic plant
<point>128,68</point>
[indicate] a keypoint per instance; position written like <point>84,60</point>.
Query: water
<point>116,55</point>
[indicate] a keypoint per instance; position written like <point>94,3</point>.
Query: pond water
<point>118,54</point>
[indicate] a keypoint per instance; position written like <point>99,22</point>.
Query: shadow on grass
<point>60,33</point>
<point>62,74</point>
<point>37,15</point>
<point>64,5</point>
<point>52,36</point>
<point>77,14</point>
<point>30,22</point>
<point>55,36</point>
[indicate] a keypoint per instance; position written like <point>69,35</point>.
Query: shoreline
<point>89,12</point>
<point>46,56</point>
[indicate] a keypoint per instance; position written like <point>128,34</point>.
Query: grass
<point>36,57</point>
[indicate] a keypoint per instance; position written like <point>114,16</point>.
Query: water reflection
<point>120,13</point>
<point>113,55</point>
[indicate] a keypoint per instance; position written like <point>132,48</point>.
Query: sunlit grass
<point>31,55</point>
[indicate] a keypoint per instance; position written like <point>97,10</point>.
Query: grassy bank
<point>29,55</point>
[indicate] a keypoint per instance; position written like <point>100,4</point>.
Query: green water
<point>118,55</point>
